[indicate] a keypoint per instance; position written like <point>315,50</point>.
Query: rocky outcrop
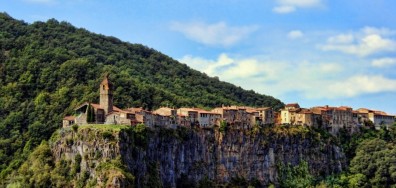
<point>167,157</point>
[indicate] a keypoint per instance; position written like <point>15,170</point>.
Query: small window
<point>103,87</point>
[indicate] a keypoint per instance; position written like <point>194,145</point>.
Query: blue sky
<point>314,52</point>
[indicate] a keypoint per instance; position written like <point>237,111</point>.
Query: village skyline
<point>331,119</point>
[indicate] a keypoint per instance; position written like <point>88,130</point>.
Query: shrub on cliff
<point>40,171</point>
<point>295,176</point>
<point>114,171</point>
<point>140,135</point>
<point>223,126</point>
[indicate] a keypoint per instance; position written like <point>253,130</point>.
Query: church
<point>103,113</point>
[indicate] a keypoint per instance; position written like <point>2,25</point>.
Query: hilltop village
<point>242,117</point>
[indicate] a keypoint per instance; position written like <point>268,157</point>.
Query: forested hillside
<point>47,68</point>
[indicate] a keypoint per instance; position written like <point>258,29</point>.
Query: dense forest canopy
<point>47,68</point>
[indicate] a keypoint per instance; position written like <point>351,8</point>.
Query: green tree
<point>36,171</point>
<point>223,126</point>
<point>90,114</point>
<point>295,176</point>
<point>375,161</point>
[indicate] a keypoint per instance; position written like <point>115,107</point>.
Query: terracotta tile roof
<point>263,108</point>
<point>190,109</point>
<point>121,111</point>
<point>207,112</point>
<point>305,111</point>
<point>295,105</point>
<point>113,112</point>
<point>134,110</point>
<point>202,111</point>
<point>381,113</point>
<point>345,107</point>
<point>117,109</point>
<point>166,108</point>
<point>159,114</point>
<point>251,111</point>
<point>97,106</point>
<point>230,108</point>
<point>364,110</point>
<point>165,111</point>
<point>69,118</point>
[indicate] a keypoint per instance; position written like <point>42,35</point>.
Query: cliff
<point>167,157</point>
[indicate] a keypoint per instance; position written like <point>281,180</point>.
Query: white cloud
<point>364,43</point>
<point>288,6</point>
<point>378,31</point>
<point>295,34</point>
<point>284,9</point>
<point>41,1</point>
<point>383,62</point>
<point>207,66</point>
<point>243,69</point>
<point>224,66</point>
<point>341,39</point>
<point>300,3</point>
<point>213,34</point>
<point>277,78</point>
<point>268,76</point>
<point>329,68</point>
<point>361,84</point>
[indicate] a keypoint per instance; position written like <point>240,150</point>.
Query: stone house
<point>288,113</point>
<point>266,115</point>
<point>378,118</point>
<point>189,114</point>
<point>143,116</point>
<point>67,121</point>
<point>166,117</point>
<point>245,117</point>
<point>254,116</point>
<point>207,119</point>
<point>232,114</point>
<point>120,117</point>
<point>335,118</point>
<point>183,120</point>
<point>277,118</point>
<point>304,117</point>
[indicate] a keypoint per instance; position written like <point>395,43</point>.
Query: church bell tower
<point>106,95</point>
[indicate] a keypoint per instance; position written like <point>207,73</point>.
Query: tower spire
<point>106,94</point>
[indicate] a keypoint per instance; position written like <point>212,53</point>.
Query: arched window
<point>103,87</point>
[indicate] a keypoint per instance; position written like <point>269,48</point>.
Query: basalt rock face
<point>167,158</point>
